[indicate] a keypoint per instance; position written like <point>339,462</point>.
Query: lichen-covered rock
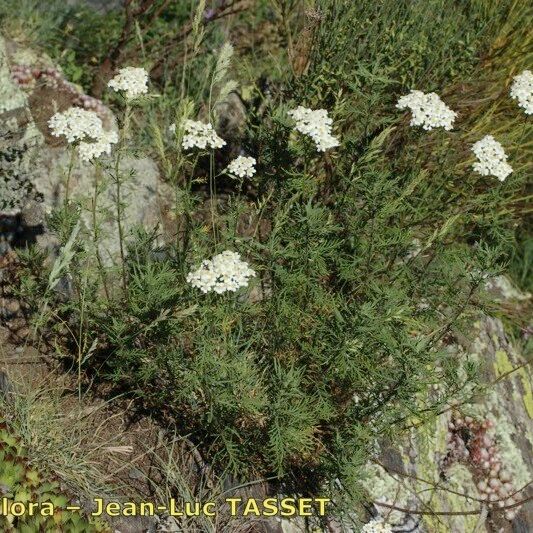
<point>11,98</point>
<point>18,141</point>
<point>33,163</point>
<point>425,475</point>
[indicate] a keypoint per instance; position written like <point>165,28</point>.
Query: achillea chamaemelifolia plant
<point>356,272</point>
<point>200,135</point>
<point>492,159</point>
<point>242,166</point>
<point>315,124</point>
<point>427,110</point>
<point>226,272</point>
<point>131,81</point>
<point>522,90</point>
<point>84,129</point>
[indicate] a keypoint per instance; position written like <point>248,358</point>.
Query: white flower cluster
<point>492,160</point>
<point>428,110</point>
<point>522,90</point>
<point>102,145</point>
<point>86,128</point>
<point>242,166</point>
<point>76,124</point>
<point>133,81</point>
<point>225,272</point>
<point>376,526</point>
<point>316,124</point>
<point>200,135</point>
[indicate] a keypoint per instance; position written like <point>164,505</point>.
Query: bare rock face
<point>33,163</point>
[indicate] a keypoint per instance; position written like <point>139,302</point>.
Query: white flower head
<point>492,159</point>
<point>85,129</point>
<point>76,124</point>
<point>92,150</point>
<point>427,110</point>
<point>522,90</point>
<point>200,135</point>
<point>317,125</point>
<point>242,166</point>
<point>132,81</point>
<point>225,272</point>
<point>376,526</point>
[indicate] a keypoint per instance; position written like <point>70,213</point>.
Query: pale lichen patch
<point>11,97</point>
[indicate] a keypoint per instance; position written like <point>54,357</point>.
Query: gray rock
<point>19,139</point>
<point>142,195</point>
<point>231,120</point>
<point>33,167</point>
<point>508,403</point>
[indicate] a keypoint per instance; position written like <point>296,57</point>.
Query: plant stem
<point>96,233</point>
<point>80,334</point>
<point>69,174</point>
<point>212,193</point>
<point>118,192</point>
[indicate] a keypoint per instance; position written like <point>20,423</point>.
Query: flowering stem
<point>95,231</point>
<point>212,192</point>
<point>69,173</point>
<point>80,335</point>
<point>118,200</point>
<point>186,212</point>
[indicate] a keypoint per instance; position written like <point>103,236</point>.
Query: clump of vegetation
<point>23,486</point>
<point>368,258</point>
